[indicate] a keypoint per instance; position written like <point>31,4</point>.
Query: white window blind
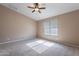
<point>51,27</point>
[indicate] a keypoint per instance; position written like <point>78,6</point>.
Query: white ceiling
<point>52,9</point>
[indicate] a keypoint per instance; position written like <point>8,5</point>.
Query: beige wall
<point>14,26</point>
<point>68,28</point>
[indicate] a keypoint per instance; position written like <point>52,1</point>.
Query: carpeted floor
<point>37,47</point>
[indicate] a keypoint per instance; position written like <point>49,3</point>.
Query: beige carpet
<point>37,47</point>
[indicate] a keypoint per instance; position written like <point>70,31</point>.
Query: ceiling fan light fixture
<point>36,7</point>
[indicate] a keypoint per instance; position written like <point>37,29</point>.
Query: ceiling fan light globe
<point>36,9</point>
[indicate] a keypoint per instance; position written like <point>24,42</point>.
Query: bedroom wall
<point>68,28</point>
<point>15,26</point>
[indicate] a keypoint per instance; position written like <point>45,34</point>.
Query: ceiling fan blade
<point>39,11</point>
<point>33,11</point>
<point>30,7</point>
<point>42,8</point>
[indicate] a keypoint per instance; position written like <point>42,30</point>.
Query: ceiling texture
<point>52,9</point>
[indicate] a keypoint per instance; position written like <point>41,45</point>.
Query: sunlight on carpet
<point>40,45</point>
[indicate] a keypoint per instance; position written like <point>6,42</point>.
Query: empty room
<point>39,29</point>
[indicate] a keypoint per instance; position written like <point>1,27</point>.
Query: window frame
<point>48,27</point>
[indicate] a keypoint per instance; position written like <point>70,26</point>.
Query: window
<point>50,27</point>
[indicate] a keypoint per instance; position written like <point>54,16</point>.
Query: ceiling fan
<point>36,7</point>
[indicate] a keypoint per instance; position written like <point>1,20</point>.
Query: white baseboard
<point>68,44</point>
<point>16,40</point>
<point>64,43</point>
